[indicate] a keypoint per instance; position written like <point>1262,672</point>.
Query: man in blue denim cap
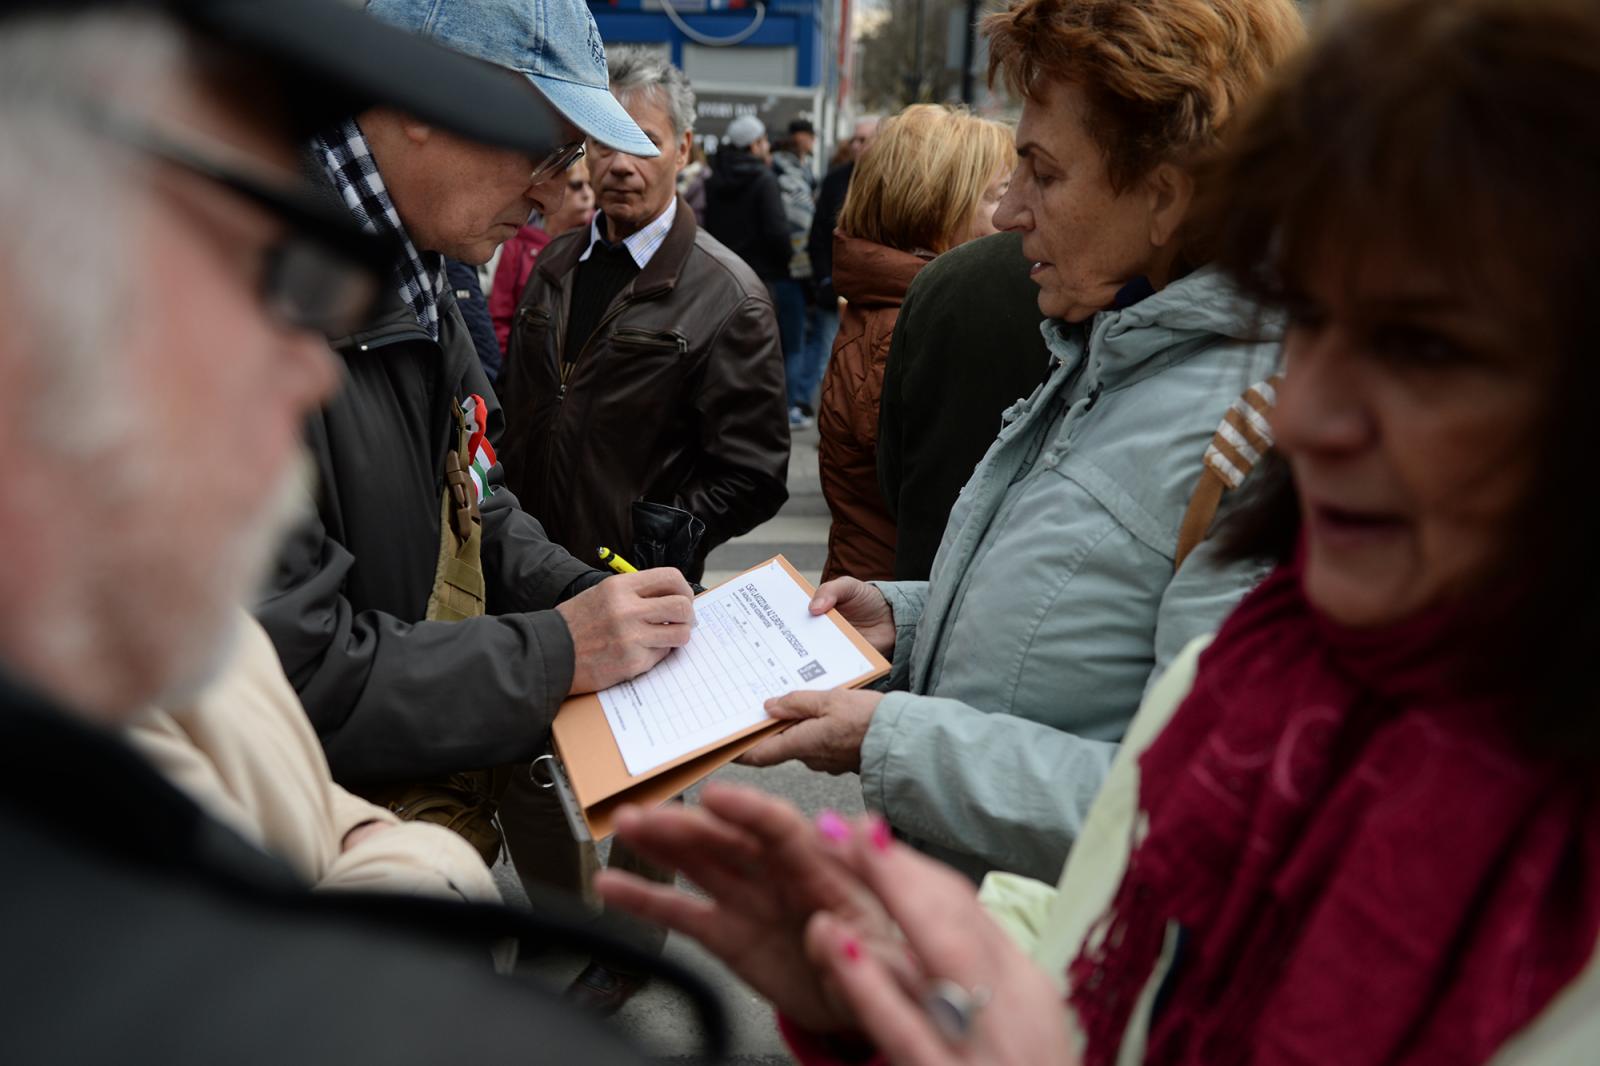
<point>428,624</point>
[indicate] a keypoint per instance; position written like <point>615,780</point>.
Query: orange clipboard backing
<point>593,762</point>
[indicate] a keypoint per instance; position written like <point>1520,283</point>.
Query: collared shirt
<point>641,244</point>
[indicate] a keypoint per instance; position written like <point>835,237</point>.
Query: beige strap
<point>458,582</point>
<point>463,802</point>
<point>1240,441</point>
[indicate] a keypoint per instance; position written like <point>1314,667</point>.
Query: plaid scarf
<point>347,158</point>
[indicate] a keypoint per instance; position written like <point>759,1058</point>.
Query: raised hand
<point>1016,1015</point>
<point>768,874</point>
<point>625,625</point>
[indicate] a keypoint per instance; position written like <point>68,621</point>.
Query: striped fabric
<point>347,158</point>
<point>1238,444</point>
<point>480,455</point>
<point>1244,436</point>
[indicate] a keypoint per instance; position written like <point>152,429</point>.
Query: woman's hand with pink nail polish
<point>833,827</point>
<point>768,873</point>
<point>947,936</point>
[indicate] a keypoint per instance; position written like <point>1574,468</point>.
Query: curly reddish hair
<point>1162,77</point>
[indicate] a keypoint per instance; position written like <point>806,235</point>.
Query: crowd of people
<point>1199,452</point>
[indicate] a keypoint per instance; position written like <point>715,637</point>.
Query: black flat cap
<point>335,60</point>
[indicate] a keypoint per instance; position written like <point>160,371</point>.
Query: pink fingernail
<point>830,825</point>
<point>852,950</point>
<point>878,833</point>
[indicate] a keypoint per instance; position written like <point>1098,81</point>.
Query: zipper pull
<point>561,393</point>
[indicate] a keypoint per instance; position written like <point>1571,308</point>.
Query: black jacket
<point>677,397</point>
<point>136,929</point>
<point>474,310</point>
<point>395,697</point>
<point>830,198</point>
<point>966,346</point>
<point>744,210</point>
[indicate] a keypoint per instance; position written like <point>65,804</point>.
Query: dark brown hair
<point>1466,132</point>
<point>1162,76</point>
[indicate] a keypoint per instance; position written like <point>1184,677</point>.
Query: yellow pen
<point>616,562</point>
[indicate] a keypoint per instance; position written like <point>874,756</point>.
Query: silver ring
<point>546,763</point>
<point>953,1008</point>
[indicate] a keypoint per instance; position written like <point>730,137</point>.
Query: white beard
<point>240,572</point>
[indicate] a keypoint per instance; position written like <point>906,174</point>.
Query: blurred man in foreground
<point>168,389</point>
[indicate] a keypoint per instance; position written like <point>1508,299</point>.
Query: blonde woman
<point>930,181</point>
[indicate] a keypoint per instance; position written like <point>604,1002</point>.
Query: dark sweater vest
<point>595,283</point>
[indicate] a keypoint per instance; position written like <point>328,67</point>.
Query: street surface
<point>654,1018</point>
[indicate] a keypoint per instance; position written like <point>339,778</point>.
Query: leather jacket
<point>677,398</point>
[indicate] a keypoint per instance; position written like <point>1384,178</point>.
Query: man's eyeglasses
<point>556,162</point>
<point>324,274</point>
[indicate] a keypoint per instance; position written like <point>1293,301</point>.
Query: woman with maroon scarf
<point>1360,826</point>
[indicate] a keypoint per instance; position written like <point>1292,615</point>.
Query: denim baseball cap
<point>554,43</point>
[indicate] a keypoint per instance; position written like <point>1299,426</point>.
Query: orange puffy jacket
<point>873,279</point>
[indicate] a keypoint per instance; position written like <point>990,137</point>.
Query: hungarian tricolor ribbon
<point>476,414</point>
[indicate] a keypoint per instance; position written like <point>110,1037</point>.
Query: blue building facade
<point>797,26</point>
<point>770,58</point>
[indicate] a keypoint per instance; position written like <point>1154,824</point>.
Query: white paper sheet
<point>754,638</point>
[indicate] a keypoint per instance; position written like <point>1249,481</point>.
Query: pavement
<point>654,1019</point>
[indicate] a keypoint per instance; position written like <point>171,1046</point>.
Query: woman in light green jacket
<point>1053,600</point>
<point>1362,825</point>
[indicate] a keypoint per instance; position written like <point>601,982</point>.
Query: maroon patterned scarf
<point>1363,866</point>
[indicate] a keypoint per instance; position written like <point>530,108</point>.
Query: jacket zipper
<point>644,338</point>
<point>394,338</point>
<point>567,369</point>
<point>544,318</point>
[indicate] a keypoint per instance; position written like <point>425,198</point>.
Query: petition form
<point>754,638</point>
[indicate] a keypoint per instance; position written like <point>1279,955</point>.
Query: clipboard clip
<point>554,776</point>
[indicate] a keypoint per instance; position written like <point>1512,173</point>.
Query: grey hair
<point>70,205</point>
<point>74,208</point>
<point>639,70</point>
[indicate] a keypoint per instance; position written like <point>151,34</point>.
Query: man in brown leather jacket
<point>644,361</point>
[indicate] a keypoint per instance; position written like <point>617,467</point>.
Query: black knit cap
<point>334,60</point>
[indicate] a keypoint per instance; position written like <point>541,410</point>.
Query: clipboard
<point>585,765</point>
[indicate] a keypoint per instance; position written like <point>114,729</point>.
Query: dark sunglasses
<point>556,162</point>
<point>324,274</point>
